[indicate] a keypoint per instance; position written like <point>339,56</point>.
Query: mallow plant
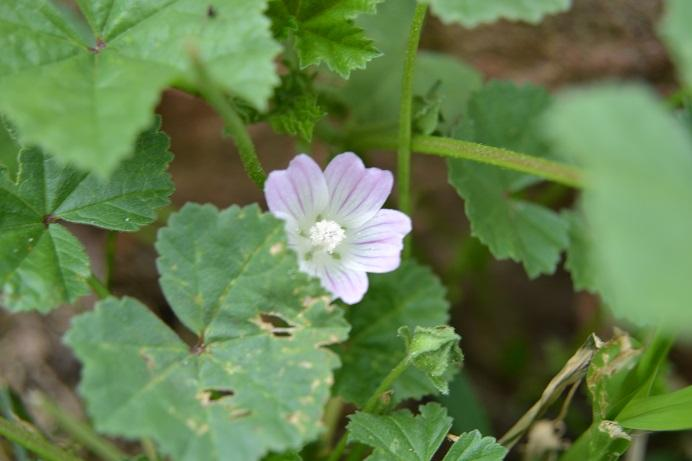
<point>316,334</point>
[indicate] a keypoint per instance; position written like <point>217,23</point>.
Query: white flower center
<point>327,235</point>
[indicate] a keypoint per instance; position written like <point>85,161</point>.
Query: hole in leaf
<point>211,12</point>
<point>278,327</point>
<point>218,394</point>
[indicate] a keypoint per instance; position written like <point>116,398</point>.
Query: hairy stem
<point>405,115</point>
<point>372,402</point>
<point>504,158</point>
<point>34,442</point>
<point>233,123</point>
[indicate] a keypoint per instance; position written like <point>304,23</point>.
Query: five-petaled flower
<point>335,223</point>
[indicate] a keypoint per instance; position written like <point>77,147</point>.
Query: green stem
<point>97,286</point>
<point>386,384</point>
<point>7,411</point>
<point>405,114</point>
<point>357,453</point>
<point>234,124</point>
<point>372,402</point>
<point>34,442</point>
<point>82,433</point>
<point>150,450</point>
<point>465,150</point>
<point>111,247</point>
<point>332,415</point>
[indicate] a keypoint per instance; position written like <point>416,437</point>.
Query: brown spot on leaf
<point>148,359</point>
<point>100,44</point>
<point>50,219</point>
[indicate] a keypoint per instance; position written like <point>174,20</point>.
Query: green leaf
<point>607,374</point>
<point>472,446</point>
<point>668,412</point>
<point>677,34</point>
<point>296,109</point>
<point>435,351</point>
<point>53,270</point>
<point>9,148</point>
<point>85,100</point>
<point>427,111</point>
<point>373,94</point>
<point>41,263</point>
<point>412,296</point>
<point>471,13</point>
<point>289,456</point>
<point>258,377</point>
<point>634,198</point>
<point>401,436</point>
<point>464,406</point>
<point>504,115</point>
<point>608,441</point>
<point>579,261</point>
<point>130,198</point>
<point>327,33</point>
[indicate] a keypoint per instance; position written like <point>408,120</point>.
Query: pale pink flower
<point>335,223</point>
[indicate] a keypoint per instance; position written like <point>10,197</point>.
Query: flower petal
<point>298,192</point>
<point>376,246</point>
<point>349,285</point>
<point>356,193</point>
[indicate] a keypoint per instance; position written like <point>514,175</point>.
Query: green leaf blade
<point>130,198</point>
<point>613,132</point>
<point>401,436</point>
<point>258,376</point>
<point>504,115</point>
<point>472,446</point>
<point>472,13</point>
<point>99,102</point>
<point>43,264</point>
<point>54,271</point>
<point>675,31</point>
<point>327,34</point>
<point>668,412</point>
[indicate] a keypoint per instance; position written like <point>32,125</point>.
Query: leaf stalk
<point>98,287</point>
<point>234,125</point>
<point>405,116</point>
<point>558,172</point>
